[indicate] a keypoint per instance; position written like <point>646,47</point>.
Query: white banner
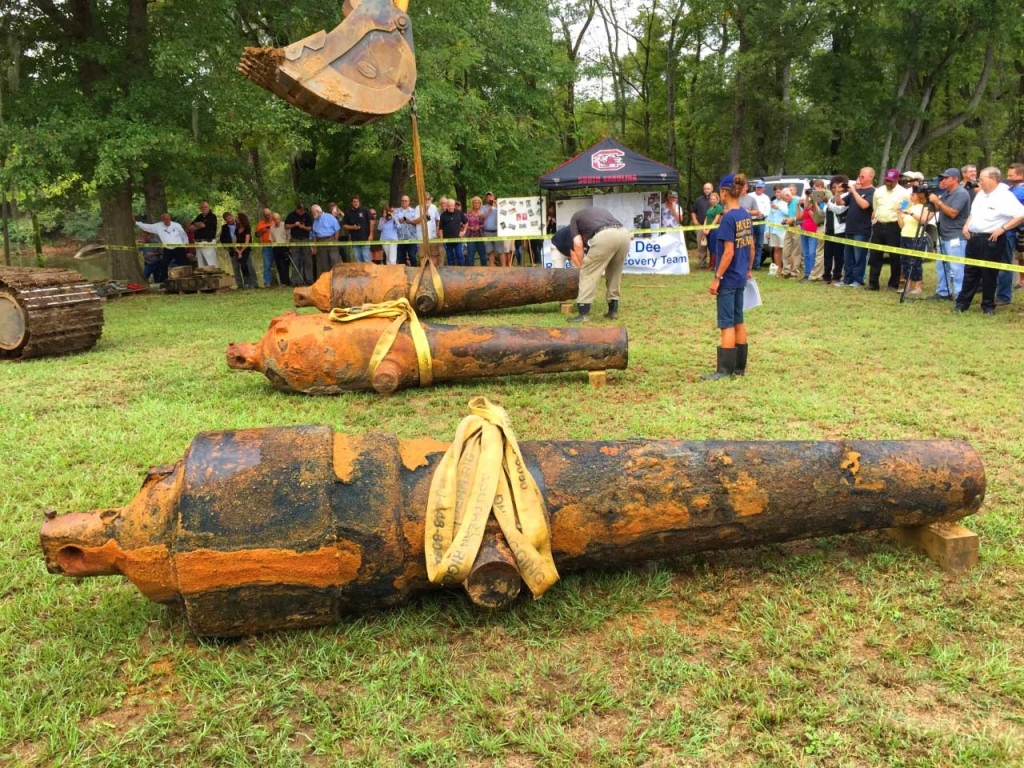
<point>663,254</point>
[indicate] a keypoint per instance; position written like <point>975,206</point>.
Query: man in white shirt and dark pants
<point>994,211</point>
<point>171,233</point>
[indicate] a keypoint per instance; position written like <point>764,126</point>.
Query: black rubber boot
<point>726,365</point>
<point>741,359</point>
<point>613,309</point>
<point>583,316</point>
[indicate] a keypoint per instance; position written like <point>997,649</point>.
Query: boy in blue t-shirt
<point>736,244</point>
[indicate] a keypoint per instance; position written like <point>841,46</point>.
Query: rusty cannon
<point>281,528</point>
<point>463,289</point>
<point>315,355</point>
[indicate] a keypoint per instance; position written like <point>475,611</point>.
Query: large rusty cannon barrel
<point>314,355</point>
<point>277,528</point>
<point>465,289</point>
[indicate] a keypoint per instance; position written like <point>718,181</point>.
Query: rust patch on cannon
<point>258,530</point>
<point>312,355</point>
<point>466,289</point>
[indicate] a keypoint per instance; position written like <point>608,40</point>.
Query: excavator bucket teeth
<point>359,72</point>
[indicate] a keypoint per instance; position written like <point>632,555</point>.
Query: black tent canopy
<point>608,163</point>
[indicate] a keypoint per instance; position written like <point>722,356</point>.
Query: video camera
<point>929,186</point>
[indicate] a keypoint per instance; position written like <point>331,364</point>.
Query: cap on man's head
<point>954,172</point>
<point>758,184</point>
<point>913,176</point>
<point>562,240</point>
<point>893,174</point>
<point>488,194</point>
<point>727,180</point>
<point>673,193</point>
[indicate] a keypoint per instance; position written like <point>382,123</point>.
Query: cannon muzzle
<point>277,528</point>
<point>465,289</point>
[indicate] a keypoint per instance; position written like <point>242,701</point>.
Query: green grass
<point>839,652</point>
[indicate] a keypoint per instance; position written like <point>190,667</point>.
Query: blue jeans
<point>361,253</point>
<point>855,260</point>
<point>473,248</point>
<point>758,244</point>
<point>453,254</point>
<point>808,245</point>
<point>407,252</point>
<point>1004,283</point>
<point>268,265</point>
<point>950,275</point>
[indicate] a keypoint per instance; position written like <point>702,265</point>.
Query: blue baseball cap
<point>758,183</point>
<point>727,180</point>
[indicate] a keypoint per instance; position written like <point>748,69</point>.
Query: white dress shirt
<point>990,211</point>
<point>169,234</point>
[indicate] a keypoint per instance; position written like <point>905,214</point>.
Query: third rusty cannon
<point>291,527</point>
<point>464,289</point>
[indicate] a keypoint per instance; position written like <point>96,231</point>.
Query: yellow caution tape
<point>401,310</point>
<point>903,251</point>
<point>481,473</point>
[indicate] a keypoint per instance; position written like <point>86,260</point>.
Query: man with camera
<point>858,227</point>
<point>952,206</point>
<point>994,212</point>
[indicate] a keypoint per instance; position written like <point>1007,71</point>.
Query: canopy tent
<point>605,164</point>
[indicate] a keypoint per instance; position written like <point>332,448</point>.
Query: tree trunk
<point>257,177</point>
<point>7,233</point>
<point>399,174</point>
<point>786,80</point>
<point>37,240</point>
<point>119,229</point>
<point>739,101</point>
<point>156,195</point>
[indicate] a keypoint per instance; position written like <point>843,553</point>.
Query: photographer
<point>835,225</point>
<point>858,227</point>
<point>388,229</point>
<point>952,205</point>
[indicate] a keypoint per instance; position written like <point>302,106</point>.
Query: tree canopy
<point>132,106</point>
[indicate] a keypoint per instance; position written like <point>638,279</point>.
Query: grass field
<point>836,652</point>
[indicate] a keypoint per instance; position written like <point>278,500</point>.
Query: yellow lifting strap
<point>402,311</point>
<point>435,279</point>
<point>481,473</point>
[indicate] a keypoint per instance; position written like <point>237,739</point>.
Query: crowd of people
<point>292,245</point>
<point>963,212</point>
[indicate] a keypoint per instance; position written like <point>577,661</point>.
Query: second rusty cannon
<point>463,289</point>
<point>290,527</point>
<point>314,355</point>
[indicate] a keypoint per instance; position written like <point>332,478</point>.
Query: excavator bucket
<point>359,72</point>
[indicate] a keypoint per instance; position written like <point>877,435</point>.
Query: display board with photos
<point>520,216</point>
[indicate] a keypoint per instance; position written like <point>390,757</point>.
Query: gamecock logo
<point>607,160</point>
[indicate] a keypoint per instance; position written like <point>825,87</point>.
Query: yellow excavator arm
<point>359,72</point>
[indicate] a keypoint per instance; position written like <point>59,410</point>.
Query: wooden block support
<point>568,307</point>
<point>598,379</point>
<point>950,545</point>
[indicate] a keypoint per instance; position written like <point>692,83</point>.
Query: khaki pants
<point>606,256</point>
<point>792,256</point>
<point>819,258</point>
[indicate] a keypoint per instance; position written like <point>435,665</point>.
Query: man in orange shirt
<point>263,233</point>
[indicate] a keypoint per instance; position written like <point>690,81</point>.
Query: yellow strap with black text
<point>483,473</point>
<point>401,311</point>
